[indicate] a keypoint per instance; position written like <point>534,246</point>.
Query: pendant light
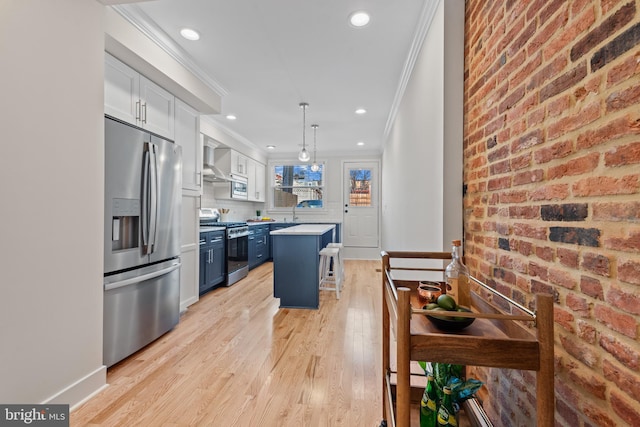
<point>315,167</point>
<point>303,156</point>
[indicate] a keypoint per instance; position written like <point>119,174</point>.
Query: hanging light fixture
<point>303,156</point>
<point>315,166</point>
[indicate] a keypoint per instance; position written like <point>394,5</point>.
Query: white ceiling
<point>266,56</point>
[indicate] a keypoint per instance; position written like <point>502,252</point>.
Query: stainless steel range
<point>237,244</point>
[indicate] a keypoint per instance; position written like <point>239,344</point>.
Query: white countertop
<point>304,230</point>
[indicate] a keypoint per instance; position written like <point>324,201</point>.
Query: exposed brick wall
<point>552,171</point>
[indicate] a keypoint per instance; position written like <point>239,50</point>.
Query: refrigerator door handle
<point>153,203</point>
<point>142,278</point>
<point>145,201</point>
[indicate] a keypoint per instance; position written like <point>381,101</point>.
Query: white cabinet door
<point>241,164</point>
<point>189,252</point>
<point>187,135</point>
<point>260,182</point>
<point>251,180</point>
<point>255,181</point>
<point>121,91</point>
<point>157,108</point>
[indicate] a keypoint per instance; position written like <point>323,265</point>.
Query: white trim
<point>426,17</point>
<point>82,390</point>
<point>134,15</point>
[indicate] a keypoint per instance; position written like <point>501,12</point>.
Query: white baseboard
<point>82,390</point>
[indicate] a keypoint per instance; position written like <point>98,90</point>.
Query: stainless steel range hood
<point>210,172</point>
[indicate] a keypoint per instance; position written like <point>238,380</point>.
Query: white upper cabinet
<point>187,135</point>
<point>133,98</point>
<point>230,161</point>
<point>121,91</point>
<point>256,181</point>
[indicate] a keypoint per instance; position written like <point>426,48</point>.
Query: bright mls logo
<point>34,415</point>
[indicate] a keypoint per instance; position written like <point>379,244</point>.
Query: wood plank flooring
<point>236,359</point>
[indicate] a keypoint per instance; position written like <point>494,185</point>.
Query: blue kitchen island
<point>296,263</point>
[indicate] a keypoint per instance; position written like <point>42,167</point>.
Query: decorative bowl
<point>428,291</point>
<point>451,323</point>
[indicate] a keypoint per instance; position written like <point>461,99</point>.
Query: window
<point>360,187</point>
<point>299,186</point>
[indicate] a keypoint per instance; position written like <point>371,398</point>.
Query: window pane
<point>360,187</point>
<point>297,185</point>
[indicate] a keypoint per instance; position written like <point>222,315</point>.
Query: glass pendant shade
<point>303,156</point>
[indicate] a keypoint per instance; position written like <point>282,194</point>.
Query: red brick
<point>521,162</point>
<point>499,183</point>
<point>578,304</point>
<point>619,127</point>
<point>559,106</point>
<point>630,243</point>
<point>629,270</point>
<point>596,263</point>
<point>500,167</point>
<point>588,114</point>
<point>629,211</point>
<point>623,99</point>
<point>536,117</point>
<point>529,140</point>
<point>546,253</point>
<point>606,185</point>
<point>557,150</point>
<point>620,376</point>
<point>623,155</point>
<point>623,353</point>
<point>567,412</point>
<point>598,416</point>
<point>628,411</point>
<point>620,322</point>
<point>525,248</point>
<point>564,319</point>
<point>586,332</point>
<point>550,192</point>
<point>577,166</point>
<point>528,177</point>
<point>528,212</point>
<point>621,72</point>
<point>591,287</point>
<point>537,270</point>
<point>562,278</point>
<point>526,230</point>
<point>579,351</point>
<point>627,301</point>
<point>568,257</point>
<point>593,385</point>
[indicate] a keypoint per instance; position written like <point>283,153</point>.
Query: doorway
<point>361,233</point>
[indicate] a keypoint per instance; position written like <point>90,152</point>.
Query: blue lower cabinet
<point>258,244</point>
<point>212,260</point>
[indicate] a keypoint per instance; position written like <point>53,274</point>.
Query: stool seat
<point>330,279</point>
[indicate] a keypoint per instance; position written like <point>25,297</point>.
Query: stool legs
<point>330,279</point>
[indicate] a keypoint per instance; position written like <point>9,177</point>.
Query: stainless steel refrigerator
<point>142,211</point>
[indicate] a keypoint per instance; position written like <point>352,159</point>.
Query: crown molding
<point>140,20</point>
<point>426,17</point>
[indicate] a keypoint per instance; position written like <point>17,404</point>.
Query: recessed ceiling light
<point>189,34</point>
<point>231,117</point>
<point>271,147</point>
<point>361,111</point>
<point>359,19</point>
<point>360,143</point>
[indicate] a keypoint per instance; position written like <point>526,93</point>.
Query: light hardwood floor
<point>237,359</point>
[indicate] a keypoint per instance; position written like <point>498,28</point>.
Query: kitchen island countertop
<point>304,230</point>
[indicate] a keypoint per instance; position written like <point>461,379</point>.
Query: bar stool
<point>330,279</point>
<point>340,259</point>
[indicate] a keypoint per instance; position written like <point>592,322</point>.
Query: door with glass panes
<point>360,204</point>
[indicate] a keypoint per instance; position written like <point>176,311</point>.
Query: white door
<point>361,192</point>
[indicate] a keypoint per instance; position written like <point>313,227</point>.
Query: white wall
<point>422,158</point>
<point>51,187</point>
